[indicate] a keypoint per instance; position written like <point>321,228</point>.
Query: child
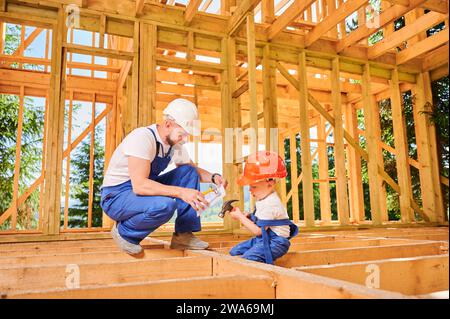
<point>270,222</point>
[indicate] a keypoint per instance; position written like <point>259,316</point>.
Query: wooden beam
<point>421,24</point>
<point>324,188</point>
<point>294,176</point>
<point>217,287</point>
<point>191,10</point>
<point>270,101</point>
<point>385,17</point>
<point>372,146</point>
<point>430,43</point>
<point>419,275</point>
<point>308,195</point>
<point>139,7</point>
<point>240,14</point>
<point>436,58</point>
<point>288,16</point>
<point>401,148</point>
<point>252,81</point>
<point>345,255</point>
<point>331,20</point>
<point>107,53</point>
<point>338,133</point>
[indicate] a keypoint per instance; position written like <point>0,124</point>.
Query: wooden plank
<point>401,148</point>
<point>331,20</point>
<point>270,101</point>
<point>421,24</point>
<point>107,53</point>
<point>379,158</point>
<point>307,285</point>
<point>288,16</point>
<point>430,43</point>
<point>191,10</point>
<point>324,188</point>
<point>240,14</point>
<point>386,16</point>
<point>294,177</point>
<point>252,83</point>
<point>334,256</point>
<point>139,7</point>
<point>356,194</point>
<point>103,273</point>
<point>372,146</point>
<point>99,256</point>
<point>53,171</point>
<point>218,287</point>
<point>339,152</point>
<point>308,197</point>
<point>410,276</point>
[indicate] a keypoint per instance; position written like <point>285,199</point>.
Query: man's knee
<point>165,211</point>
<point>187,170</point>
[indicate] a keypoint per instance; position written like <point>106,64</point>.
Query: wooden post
<point>339,151</point>
<point>267,11</point>
<point>55,137</point>
<point>270,101</point>
<point>282,183</point>
<point>379,158</point>
<point>355,184</point>
<point>251,57</point>
<point>228,118</point>
<point>401,150</point>
<point>427,155</point>
<point>308,197</point>
<point>134,96</point>
<point>324,188</point>
<point>91,164</point>
<point>147,74</point>
<point>69,150</point>
<point>294,176</point>
<point>372,144</point>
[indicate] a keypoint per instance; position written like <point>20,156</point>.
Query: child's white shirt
<point>271,207</point>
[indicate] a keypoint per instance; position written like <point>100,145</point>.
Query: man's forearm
<point>148,187</point>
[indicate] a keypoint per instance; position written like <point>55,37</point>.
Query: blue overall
<point>137,216</point>
<point>269,246</point>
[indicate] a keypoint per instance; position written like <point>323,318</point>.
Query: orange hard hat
<point>262,165</point>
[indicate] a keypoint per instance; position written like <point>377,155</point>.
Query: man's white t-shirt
<point>139,143</point>
<point>271,207</point>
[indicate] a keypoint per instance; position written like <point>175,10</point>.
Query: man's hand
<point>194,198</point>
<point>237,214</point>
<point>219,180</point>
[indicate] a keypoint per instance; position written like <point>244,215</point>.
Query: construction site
<point>348,93</point>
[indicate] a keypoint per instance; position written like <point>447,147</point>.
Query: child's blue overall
<point>269,246</point>
<point>137,216</point>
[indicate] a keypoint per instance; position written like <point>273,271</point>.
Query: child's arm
<point>237,214</point>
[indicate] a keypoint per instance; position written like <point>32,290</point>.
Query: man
<point>139,199</point>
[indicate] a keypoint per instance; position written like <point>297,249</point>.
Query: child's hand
<point>236,213</point>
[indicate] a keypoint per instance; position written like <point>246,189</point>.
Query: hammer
<point>226,207</point>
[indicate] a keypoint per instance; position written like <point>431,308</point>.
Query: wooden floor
<point>371,263</point>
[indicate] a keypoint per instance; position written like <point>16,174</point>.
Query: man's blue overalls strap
<point>263,223</point>
<point>159,164</point>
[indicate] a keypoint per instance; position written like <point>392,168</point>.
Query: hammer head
<point>226,207</point>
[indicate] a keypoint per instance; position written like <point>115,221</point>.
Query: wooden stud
<point>379,158</point>
<point>308,197</point>
<point>252,81</point>
<point>324,188</point>
<point>341,174</point>
<point>401,148</point>
<point>427,156</point>
<point>270,101</point>
<point>69,150</point>
<point>294,177</point>
<point>372,146</point>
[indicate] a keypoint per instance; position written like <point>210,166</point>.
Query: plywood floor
<point>370,263</point>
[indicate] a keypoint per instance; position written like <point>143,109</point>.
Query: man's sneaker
<point>187,241</point>
<point>126,246</point>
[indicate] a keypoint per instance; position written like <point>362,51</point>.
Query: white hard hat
<point>184,112</point>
